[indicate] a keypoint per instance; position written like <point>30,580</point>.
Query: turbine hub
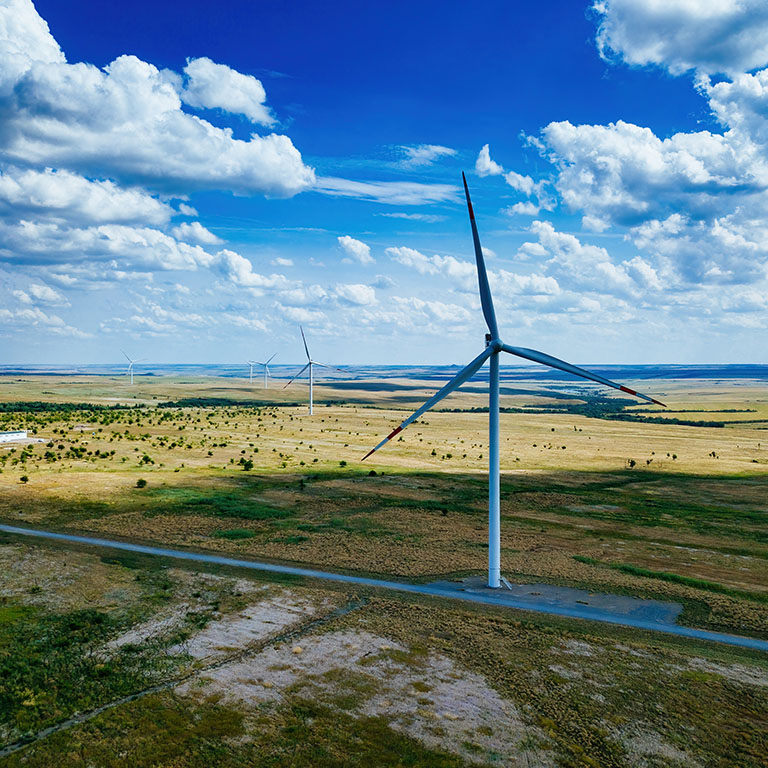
<point>494,344</point>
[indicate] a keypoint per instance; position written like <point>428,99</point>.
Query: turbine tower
<point>131,364</point>
<point>310,364</point>
<point>266,370</point>
<point>493,347</point>
<point>250,364</point>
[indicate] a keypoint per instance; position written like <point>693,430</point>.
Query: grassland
<point>653,509</point>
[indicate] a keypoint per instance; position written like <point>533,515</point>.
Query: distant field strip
<point>501,600</point>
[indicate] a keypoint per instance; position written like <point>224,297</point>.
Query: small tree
<point>24,479</point>
<point>141,483</point>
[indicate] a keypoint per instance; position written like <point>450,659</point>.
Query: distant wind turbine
<point>493,347</point>
<point>250,364</point>
<point>131,364</point>
<point>310,364</point>
<point>266,370</point>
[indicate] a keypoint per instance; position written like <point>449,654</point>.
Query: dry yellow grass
<point>337,517</point>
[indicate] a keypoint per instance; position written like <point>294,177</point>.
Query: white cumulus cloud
<point>356,250</point>
<point>124,121</point>
<point>710,36</point>
<point>357,294</point>
<point>195,232</point>
<point>217,86</point>
<point>484,166</point>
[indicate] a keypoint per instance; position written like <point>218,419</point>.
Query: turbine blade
<point>482,276</point>
<point>270,359</point>
<point>297,375</point>
<point>304,339</point>
<point>331,367</point>
<point>126,357</point>
<point>464,374</point>
<point>553,362</point>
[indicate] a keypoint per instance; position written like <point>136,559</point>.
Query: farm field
<point>675,511</point>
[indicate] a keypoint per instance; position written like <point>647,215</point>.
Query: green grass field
<point>665,510</point>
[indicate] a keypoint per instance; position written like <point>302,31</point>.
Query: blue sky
<point>190,185</point>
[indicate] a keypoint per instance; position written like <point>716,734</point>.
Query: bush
<point>141,483</point>
<point>235,534</point>
<point>24,479</point>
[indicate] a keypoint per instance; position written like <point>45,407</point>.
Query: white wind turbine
<point>250,364</point>
<point>493,347</point>
<point>131,364</point>
<point>266,370</point>
<point>310,364</point>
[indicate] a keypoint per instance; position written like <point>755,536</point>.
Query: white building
<point>10,437</point>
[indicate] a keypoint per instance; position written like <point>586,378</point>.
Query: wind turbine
<point>250,364</point>
<point>493,347</point>
<point>266,370</point>
<point>130,364</point>
<point>310,364</point>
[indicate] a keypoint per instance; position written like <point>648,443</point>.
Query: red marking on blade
<point>390,436</point>
<point>630,391</point>
<point>368,454</point>
<point>658,402</point>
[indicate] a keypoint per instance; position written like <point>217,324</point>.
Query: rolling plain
<point>133,660</point>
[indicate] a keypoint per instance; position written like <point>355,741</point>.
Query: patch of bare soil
<point>428,697</point>
<point>253,624</point>
<point>735,672</point>
<point>646,748</point>
<point>37,576</point>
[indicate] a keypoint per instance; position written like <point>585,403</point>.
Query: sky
<point>192,183</point>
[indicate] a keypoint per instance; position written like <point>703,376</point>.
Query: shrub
<point>24,479</point>
<point>141,483</point>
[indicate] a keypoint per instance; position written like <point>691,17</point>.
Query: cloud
<point>388,192</point>
<point>356,249</point>
<point>429,218</point>
<point>484,166</point>
<point>46,294</point>
<point>239,271</point>
<point>67,197</point>
<point>710,36</point>
<point>463,271</point>
<point>359,295</point>
<point>28,242</point>
<point>23,319</point>
<point>24,34</point>
<point>625,174</point>
<point>279,261</point>
<point>302,315</point>
<point>424,154</point>
<point>383,281</point>
<point>216,86</point>
<point>696,202</point>
<point>520,183</point>
<point>521,209</point>
<point>583,267</point>
<point>124,121</point>
<point>196,233</point>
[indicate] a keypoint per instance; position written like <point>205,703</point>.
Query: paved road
<point>500,598</point>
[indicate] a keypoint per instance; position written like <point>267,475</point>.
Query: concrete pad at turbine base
<point>552,596</point>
